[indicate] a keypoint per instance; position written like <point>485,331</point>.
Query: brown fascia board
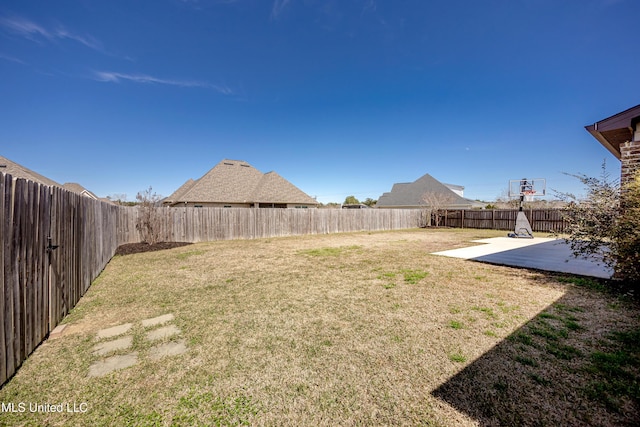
<point>621,120</point>
<point>597,135</point>
<point>604,130</point>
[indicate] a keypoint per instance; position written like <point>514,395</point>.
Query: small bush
<point>605,225</point>
<point>149,220</point>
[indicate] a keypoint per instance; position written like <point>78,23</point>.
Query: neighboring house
<point>620,134</point>
<point>416,194</point>
<point>19,171</point>
<point>79,189</point>
<point>237,184</point>
<point>458,189</point>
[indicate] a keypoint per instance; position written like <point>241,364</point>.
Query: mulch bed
<point>136,248</point>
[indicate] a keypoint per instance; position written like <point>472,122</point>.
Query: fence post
<point>462,219</point>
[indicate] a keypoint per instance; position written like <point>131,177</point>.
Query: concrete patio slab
<point>540,253</point>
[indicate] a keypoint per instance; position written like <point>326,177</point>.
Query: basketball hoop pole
<point>520,209</point>
<point>527,189</point>
<point>523,227</point>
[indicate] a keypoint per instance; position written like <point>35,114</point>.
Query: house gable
<point>410,195</point>
<point>235,183</point>
<point>74,187</point>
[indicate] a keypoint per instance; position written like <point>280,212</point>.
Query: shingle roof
<point>19,171</point>
<point>273,188</point>
<point>182,190</point>
<point>74,187</point>
<point>236,181</point>
<point>410,194</point>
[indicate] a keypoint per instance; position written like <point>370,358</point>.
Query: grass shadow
<point>557,369</point>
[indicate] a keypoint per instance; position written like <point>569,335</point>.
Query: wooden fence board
<point>4,243</point>
<point>9,278</point>
<point>18,262</point>
<point>28,285</point>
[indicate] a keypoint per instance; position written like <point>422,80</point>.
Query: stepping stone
<point>114,331</point>
<point>160,333</point>
<point>107,347</point>
<point>157,320</point>
<point>167,349</point>
<point>57,332</point>
<point>110,364</point>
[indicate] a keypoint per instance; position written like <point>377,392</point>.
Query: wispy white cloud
<point>88,41</point>
<point>24,28</point>
<point>114,77</point>
<point>37,33</point>
<point>370,6</point>
<point>278,7</point>
<point>12,59</point>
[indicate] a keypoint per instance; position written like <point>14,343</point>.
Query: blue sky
<point>340,97</point>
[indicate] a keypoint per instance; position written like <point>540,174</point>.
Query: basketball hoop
<point>526,190</point>
<point>529,195</point>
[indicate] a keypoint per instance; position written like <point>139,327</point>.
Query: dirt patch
<point>136,248</point>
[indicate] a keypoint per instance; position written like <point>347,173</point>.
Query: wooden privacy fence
<point>39,284</point>
<point>190,224</point>
<point>544,220</point>
<point>55,243</point>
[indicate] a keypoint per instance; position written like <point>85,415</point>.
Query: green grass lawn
<point>347,329</point>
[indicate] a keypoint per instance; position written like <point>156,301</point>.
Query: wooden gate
<point>24,271</point>
<point>53,244</point>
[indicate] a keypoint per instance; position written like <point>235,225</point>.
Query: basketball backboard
<point>528,188</point>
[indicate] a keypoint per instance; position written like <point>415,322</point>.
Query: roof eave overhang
<point>612,131</point>
<point>597,135</point>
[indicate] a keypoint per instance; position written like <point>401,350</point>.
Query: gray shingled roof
<point>74,187</point>
<point>236,181</point>
<point>182,190</point>
<point>410,194</point>
<point>19,171</point>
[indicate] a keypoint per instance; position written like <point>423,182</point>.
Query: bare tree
<point>118,198</point>
<point>149,219</point>
<point>437,202</point>
<point>503,201</point>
